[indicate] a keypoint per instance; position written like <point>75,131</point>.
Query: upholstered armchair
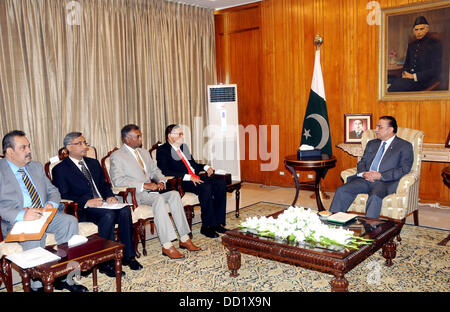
<point>405,200</point>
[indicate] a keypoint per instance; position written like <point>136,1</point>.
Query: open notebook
<point>31,230</point>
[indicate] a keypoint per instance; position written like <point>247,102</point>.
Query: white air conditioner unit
<point>223,129</point>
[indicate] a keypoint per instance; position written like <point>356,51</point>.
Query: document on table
<point>105,205</point>
<point>32,257</point>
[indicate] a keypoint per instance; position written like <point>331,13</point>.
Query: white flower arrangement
<point>302,225</point>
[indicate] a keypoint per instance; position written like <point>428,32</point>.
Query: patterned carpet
<point>421,265</point>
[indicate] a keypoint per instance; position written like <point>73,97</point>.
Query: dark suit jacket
<point>73,185</point>
<point>171,164</point>
<point>396,162</point>
<point>424,58</point>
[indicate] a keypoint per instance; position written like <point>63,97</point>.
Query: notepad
<point>341,217</point>
<point>113,206</point>
<point>32,257</point>
<point>31,230</point>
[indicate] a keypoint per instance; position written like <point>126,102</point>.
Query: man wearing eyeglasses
<point>81,179</point>
<point>132,166</point>
<point>385,160</point>
<point>175,159</point>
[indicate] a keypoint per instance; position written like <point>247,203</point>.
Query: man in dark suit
<point>81,179</point>
<point>175,159</point>
<point>385,160</point>
<point>422,65</point>
<point>24,190</point>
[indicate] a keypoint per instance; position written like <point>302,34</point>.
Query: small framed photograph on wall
<point>355,125</point>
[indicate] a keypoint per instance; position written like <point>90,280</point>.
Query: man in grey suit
<point>24,189</point>
<point>132,166</point>
<point>385,160</point>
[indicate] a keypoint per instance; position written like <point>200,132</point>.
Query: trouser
<point>164,226</point>
<point>106,219</point>
<point>346,194</point>
<point>212,195</point>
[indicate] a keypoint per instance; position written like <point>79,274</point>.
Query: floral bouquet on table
<point>297,224</point>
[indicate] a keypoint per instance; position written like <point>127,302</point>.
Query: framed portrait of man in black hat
<point>415,52</point>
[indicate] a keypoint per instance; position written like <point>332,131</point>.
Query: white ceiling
<point>216,4</point>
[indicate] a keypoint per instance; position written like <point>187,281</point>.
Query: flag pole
<point>318,40</point>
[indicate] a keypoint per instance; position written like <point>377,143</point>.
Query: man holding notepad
<point>24,191</point>
<point>81,179</point>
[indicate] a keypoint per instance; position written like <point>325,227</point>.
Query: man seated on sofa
<point>385,161</point>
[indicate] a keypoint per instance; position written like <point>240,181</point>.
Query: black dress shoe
<point>208,231</point>
<point>59,285</point>
<point>109,270</point>
<point>132,263</point>
<point>220,229</point>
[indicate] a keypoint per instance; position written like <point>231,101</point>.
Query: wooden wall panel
<point>279,35</point>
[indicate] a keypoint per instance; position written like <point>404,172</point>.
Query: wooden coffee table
<point>313,258</point>
<point>83,257</point>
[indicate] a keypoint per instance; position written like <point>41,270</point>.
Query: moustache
<point>28,155</point>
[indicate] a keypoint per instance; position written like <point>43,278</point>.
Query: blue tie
<point>376,160</point>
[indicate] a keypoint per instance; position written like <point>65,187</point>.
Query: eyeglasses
<point>80,143</point>
<point>177,134</point>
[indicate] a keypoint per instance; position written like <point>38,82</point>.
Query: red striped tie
<point>187,165</point>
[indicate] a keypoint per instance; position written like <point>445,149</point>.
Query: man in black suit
<point>81,179</point>
<point>422,65</point>
<point>385,160</point>
<point>175,159</point>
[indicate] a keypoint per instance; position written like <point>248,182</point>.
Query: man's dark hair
<point>8,139</point>
<point>169,130</point>
<point>126,129</point>
<point>392,122</point>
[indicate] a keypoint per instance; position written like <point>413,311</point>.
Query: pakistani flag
<point>316,129</point>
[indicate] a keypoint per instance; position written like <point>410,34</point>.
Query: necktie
<point>187,165</point>
<point>141,164</point>
<point>376,160</point>
<point>88,176</point>
<point>35,200</point>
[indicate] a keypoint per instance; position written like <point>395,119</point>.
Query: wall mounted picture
<point>414,52</point>
<point>355,125</point>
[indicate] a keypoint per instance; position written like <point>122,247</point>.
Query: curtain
<point>95,65</point>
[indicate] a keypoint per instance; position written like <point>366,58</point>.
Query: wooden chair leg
<point>136,239</point>
<point>142,235</point>
<point>416,217</point>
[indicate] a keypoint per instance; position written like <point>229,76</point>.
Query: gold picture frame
<point>396,33</point>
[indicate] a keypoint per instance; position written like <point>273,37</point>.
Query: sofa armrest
<point>348,172</point>
<point>405,183</point>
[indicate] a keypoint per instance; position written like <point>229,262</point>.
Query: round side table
<point>318,164</point>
